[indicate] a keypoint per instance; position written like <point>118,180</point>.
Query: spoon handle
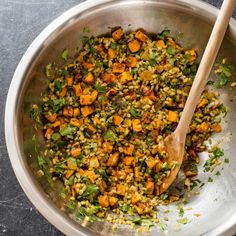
<point>206,65</point>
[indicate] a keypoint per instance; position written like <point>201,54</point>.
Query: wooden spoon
<point>175,142</point>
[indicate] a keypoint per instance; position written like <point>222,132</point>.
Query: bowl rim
<point>37,197</point>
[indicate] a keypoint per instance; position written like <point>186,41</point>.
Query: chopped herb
<point>57,104</point>
<point>110,135</point>
<point>91,192</point>
<point>183,221</point>
<point>85,39</point>
<point>218,173</point>
<point>82,212</point>
<point>71,205</point>
<point>48,70</point>
<point>171,50</point>
<point>226,160</point>
<point>152,62</point>
<point>64,54</point>
<point>56,136</point>
<point>113,45</point>
<point>35,113</point>
<point>210,82</point>
<point>181,211</point>
<point>68,131</point>
<point>86,29</point>
<point>41,161</point>
<point>164,34</point>
<point>99,88</point>
<point>64,73</point>
<point>124,207</point>
<point>210,180</point>
<point>134,112</point>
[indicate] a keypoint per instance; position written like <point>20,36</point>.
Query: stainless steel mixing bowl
<point>216,202</point>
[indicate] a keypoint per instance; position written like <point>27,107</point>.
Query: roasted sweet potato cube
<point>134,45</point>
<point>141,36</point>
<point>117,34</point>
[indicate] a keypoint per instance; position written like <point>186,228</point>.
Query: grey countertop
<point>20,22</point>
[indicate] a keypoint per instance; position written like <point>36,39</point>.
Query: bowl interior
<point>217,201</point>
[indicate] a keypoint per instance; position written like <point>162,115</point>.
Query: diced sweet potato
<point>203,102</point>
<point>76,122</point>
<point>103,200</point>
<point>117,119</point>
<point>161,44</point>
<point>87,65</point>
<point>109,77</point>
<point>107,146</point>
<point>68,111</point>
<point>128,161</point>
<point>136,125</point>
<point>103,187</point>
<point>151,162</point>
<point>69,81</point>
<point>49,133</point>
<point>93,162</point>
<point>87,110</point>
<point>111,53</point>
<point>91,175</point>
<point>131,61</point>
<point>150,187</point>
<point>117,34</point>
<point>134,45</point>
<point>143,208</point>
<point>121,189</point>
<point>129,149</point>
<point>157,123</point>
<point>203,127</point>
<point>113,159</point>
<point>216,128</point>
<point>77,90</point>
<point>88,99</point>
<point>57,123</point>
<point>118,67</point>
<point>89,78</point>
<point>192,55</point>
<point>76,112</point>
<point>96,120</point>
<point>141,36</point>
<point>51,117</point>
<point>136,197</point>
<point>113,201</point>
<point>63,92</point>
<point>172,116</point>
<point>146,75</point>
<point>125,77</point>
<point>69,173</point>
<point>75,152</point>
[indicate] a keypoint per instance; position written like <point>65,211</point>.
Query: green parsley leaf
<point>171,50</point>
<point>99,88</point>
<point>86,29</point>
<point>210,82</point>
<point>64,54</point>
<point>226,160</point>
<point>183,221</point>
<point>68,131</point>
<point>134,112</point>
<point>210,180</point>
<point>41,160</point>
<point>48,70</point>
<point>110,135</point>
<point>164,34</point>
<point>113,45</point>
<point>71,205</point>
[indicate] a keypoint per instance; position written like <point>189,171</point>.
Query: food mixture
<point>105,117</point>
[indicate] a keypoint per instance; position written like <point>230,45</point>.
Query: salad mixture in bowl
<point>105,116</point>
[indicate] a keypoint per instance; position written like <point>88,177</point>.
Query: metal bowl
<point>216,202</point>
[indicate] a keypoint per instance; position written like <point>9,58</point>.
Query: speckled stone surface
<point>20,22</point>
